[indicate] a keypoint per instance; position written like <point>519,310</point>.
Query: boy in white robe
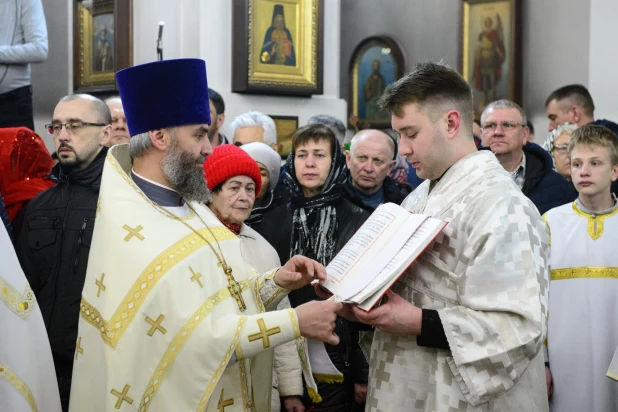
<point>583,305</point>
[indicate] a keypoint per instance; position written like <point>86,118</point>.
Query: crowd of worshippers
<point>312,202</point>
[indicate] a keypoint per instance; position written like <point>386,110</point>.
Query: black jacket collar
<point>90,176</point>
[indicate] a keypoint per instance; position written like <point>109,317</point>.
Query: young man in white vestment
<point>583,307</point>
<point>27,374</point>
<point>172,318</point>
<point>462,329</point>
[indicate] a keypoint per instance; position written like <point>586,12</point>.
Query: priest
<point>27,376</point>
<point>172,318</point>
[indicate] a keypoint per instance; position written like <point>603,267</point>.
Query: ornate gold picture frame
<point>490,52</point>
<point>286,127</point>
<point>277,46</point>
<point>102,44</point>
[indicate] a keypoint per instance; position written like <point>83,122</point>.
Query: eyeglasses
<point>72,128</point>
<point>506,126</point>
<point>562,148</point>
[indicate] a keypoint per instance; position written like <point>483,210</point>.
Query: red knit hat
<point>227,161</point>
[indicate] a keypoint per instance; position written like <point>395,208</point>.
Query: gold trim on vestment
<point>131,183</point>
<point>242,367</point>
<point>19,385</point>
<point>294,321</point>
<point>584,273</point>
<point>20,304</point>
<point>174,348</point>
<point>328,378</point>
<point>226,359</point>
<point>612,375</point>
<point>595,231</point>
<point>258,284</point>
<point>113,329</point>
<point>544,218</point>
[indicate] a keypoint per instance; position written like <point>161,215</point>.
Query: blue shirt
<point>23,40</point>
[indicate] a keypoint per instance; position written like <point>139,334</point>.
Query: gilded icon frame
<point>286,127</point>
<point>503,31</point>
<point>258,73</point>
<point>392,68</point>
<point>119,15</point>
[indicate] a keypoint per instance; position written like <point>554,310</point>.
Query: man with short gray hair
<point>120,131</point>
<point>370,159</point>
<point>505,132</point>
<point>254,127</point>
<point>335,125</point>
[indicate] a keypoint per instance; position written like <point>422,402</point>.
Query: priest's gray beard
<point>185,173</point>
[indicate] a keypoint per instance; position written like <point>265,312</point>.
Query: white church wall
<point>603,64</point>
<point>203,29</point>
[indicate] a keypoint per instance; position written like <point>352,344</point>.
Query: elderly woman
<point>234,179</point>
<point>317,223</point>
<point>560,138</point>
<point>269,162</point>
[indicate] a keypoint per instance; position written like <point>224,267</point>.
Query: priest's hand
<point>299,271</point>
<point>346,311</point>
<point>317,318</point>
<point>397,316</point>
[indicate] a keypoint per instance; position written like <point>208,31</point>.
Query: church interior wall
<point>555,40</point>
<point>563,42</point>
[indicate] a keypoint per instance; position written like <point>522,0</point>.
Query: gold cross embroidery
<point>156,325</point>
<point>122,397</point>
<point>100,284</point>
<point>196,277</point>
<point>78,348</point>
<point>224,402</point>
<point>133,232</point>
<point>264,333</point>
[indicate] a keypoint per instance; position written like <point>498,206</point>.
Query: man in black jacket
<point>505,132</point>
<point>57,231</point>
<point>370,159</point>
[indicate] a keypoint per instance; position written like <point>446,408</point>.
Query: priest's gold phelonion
<point>233,286</point>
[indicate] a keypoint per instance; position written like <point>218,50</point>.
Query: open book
<point>378,253</point>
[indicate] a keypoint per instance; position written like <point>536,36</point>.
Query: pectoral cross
<point>233,287</point>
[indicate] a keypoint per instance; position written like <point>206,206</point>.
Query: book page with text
<point>413,248</point>
<point>370,249</point>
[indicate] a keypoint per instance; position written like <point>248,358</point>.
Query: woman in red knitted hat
<point>234,180</point>
<point>25,164</point>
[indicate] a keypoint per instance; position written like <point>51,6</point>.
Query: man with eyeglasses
<point>57,231</point>
<point>506,134</point>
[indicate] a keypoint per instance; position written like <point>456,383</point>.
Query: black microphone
<point>160,41</point>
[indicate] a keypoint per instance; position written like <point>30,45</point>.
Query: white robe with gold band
<point>486,275</point>
<point>582,332</point>
<point>27,375</point>
<point>158,328</point>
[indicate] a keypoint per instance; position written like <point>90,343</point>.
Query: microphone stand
<point>160,42</point>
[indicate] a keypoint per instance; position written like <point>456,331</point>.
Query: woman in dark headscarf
<point>317,223</point>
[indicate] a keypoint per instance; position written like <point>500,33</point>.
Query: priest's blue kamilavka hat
<point>164,94</point>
